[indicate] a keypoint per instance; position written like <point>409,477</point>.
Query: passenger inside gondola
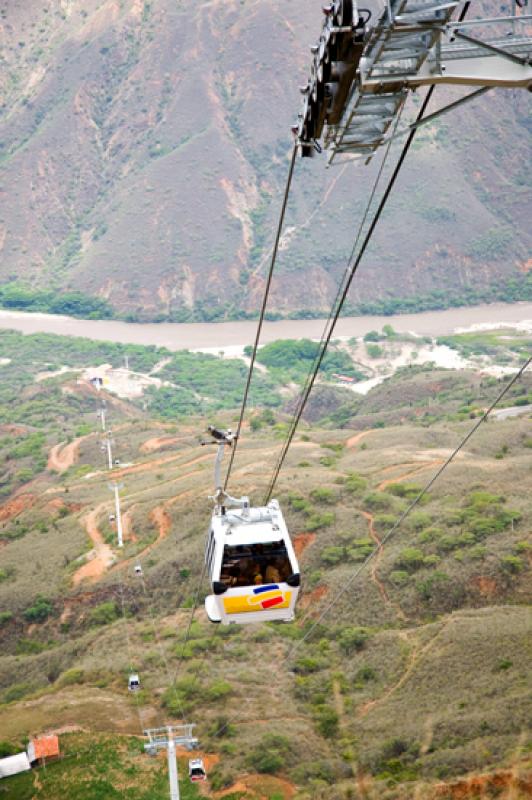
<point>255,564</point>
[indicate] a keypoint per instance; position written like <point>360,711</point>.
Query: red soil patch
<point>62,456</point>
<point>301,541</point>
<point>159,442</point>
<point>14,430</point>
<point>57,503</point>
<point>260,786</point>
<point>353,440</point>
<point>314,597</point>
<point>487,587</point>
<point>509,781</point>
<point>101,556</point>
<point>16,506</point>
<point>127,526</point>
<point>412,473</point>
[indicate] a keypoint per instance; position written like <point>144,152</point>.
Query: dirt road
<point>62,456</point>
<point>101,556</point>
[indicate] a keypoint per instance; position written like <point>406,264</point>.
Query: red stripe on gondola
<point>273,602</point>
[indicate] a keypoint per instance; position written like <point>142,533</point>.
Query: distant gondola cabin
<point>133,683</point>
<point>196,770</point>
<point>252,567</point>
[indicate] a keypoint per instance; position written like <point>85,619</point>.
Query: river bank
<point>222,335</point>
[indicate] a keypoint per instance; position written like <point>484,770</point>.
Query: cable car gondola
<point>133,683</point>
<point>249,558</point>
<point>196,770</point>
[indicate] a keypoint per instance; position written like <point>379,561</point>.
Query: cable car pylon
<point>166,739</point>
<point>249,557</point>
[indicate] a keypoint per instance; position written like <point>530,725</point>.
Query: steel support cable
<point>162,653</point>
<point>262,312</point>
<point>409,509</point>
<point>352,272</point>
<point>336,300</point>
<point>345,291</point>
<point>190,621</point>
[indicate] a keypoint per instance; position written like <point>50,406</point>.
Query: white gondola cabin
<point>196,770</point>
<point>138,570</point>
<point>133,683</point>
<point>252,566</point>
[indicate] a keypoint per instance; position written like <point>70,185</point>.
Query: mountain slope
<point>145,149</point>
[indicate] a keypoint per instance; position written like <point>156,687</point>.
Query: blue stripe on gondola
<point>269,588</point>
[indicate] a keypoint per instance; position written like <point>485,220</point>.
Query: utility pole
<point>166,739</point>
<point>108,443</point>
<point>102,417</point>
<point>115,487</point>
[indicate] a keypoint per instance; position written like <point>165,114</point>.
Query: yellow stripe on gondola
<point>240,604</point>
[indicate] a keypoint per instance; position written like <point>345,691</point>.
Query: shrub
<point>307,664</point>
<point>420,520</point>
<point>373,350</point>
<point>179,697</point>
<point>326,720</point>
<point>365,674</point>
<point>270,754</point>
<point>352,639</point>
<point>322,520</point>
<point>411,558</point>
<point>399,577</point>
<point>219,690</point>
<point>6,573</point>
<point>298,503</point>
<point>406,490</point>
<point>512,564</point>
<point>323,495</point>
<point>7,749</point>
<point>355,483</point>
<point>378,501</point>
<point>333,555</point>
<point>5,617</point>
<point>104,614</point>
<point>71,677</point>
<point>429,586</point>
<point>39,611</point>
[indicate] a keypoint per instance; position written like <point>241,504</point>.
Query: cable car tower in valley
<point>365,65</point>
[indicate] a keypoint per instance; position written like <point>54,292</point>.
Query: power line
<point>334,307</point>
<point>345,291</point>
<point>262,311</point>
<point>409,509</point>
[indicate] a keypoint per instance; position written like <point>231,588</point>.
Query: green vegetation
<point>498,344</point>
<point>205,382</point>
<point>103,614</point>
<point>270,754</point>
<point>291,360</point>
<point>39,611</point>
<point>100,767</point>
<point>73,304</point>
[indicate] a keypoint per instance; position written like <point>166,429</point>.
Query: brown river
<point>222,335</point>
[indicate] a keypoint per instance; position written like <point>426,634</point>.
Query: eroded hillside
<point>145,149</point>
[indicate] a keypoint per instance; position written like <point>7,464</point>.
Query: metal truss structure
<point>362,74</point>
<point>166,739</point>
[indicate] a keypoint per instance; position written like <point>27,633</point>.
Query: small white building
<point>12,765</point>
